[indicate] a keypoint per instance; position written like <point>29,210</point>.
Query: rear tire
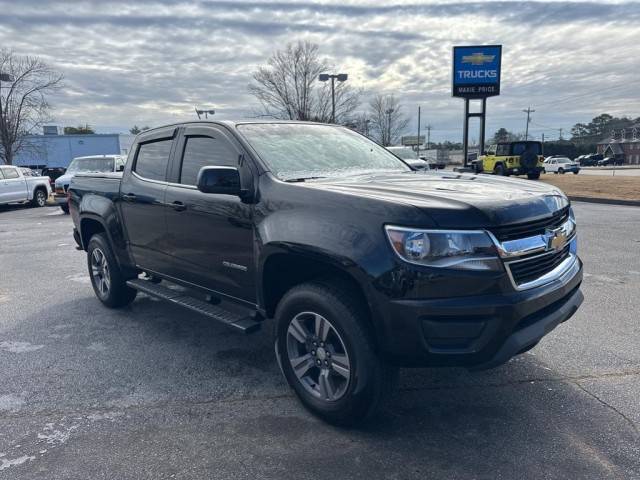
<point>533,175</point>
<point>499,170</point>
<point>107,280</point>
<point>326,351</point>
<point>39,198</point>
<point>575,172</point>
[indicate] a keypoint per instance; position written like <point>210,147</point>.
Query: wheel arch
<point>282,270</point>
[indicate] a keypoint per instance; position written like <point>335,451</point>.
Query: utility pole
<point>528,111</point>
<point>560,130</point>
<point>428,137</point>
<point>418,149</point>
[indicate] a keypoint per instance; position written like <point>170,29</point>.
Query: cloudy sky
<point>150,62</point>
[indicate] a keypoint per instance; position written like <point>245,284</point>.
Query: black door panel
<point>209,236</point>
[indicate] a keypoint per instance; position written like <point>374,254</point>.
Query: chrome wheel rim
<point>100,271</point>
<point>318,356</point>
<point>41,199</point>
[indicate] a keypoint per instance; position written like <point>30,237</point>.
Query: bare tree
<point>25,83</point>
<point>388,121</point>
<point>288,86</point>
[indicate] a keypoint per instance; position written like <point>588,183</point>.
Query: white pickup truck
<point>15,187</point>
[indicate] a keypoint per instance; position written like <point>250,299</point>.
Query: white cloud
<point>151,62</point>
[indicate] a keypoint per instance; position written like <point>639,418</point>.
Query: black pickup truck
<point>364,264</point>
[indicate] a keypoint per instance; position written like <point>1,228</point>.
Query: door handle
<point>129,197</point>
<point>178,206</point>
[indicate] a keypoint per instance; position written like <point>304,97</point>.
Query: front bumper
<point>477,332</point>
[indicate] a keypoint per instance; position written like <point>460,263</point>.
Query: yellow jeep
<point>512,158</point>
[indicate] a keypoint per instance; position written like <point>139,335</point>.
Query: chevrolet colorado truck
<point>361,264</point>
<point>16,187</point>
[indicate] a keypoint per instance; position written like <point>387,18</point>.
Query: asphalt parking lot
<point>153,392</point>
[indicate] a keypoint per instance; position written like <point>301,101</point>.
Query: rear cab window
<point>152,159</point>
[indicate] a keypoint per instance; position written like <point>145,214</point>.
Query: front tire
<point>107,280</point>
<point>499,170</point>
<point>326,351</point>
<point>561,171</point>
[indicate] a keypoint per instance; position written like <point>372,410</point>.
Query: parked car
<point>561,165</point>
<point>512,158</point>
<point>94,164</point>
<point>16,187</point>
<point>53,173</point>
<point>364,264</point>
<point>609,161</point>
<point>590,160</point>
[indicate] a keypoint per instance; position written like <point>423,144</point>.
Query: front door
<point>210,236</point>
<point>142,201</point>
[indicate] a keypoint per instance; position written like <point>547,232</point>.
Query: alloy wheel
<point>318,356</point>
<point>100,271</point>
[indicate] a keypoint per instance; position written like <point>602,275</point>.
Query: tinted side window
<point>10,173</point>
<point>152,159</point>
<point>202,151</point>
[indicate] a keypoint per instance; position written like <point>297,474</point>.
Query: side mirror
<point>120,168</point>
<point>220,180</point>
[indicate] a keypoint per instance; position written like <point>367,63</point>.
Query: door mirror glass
<point>220,180</point>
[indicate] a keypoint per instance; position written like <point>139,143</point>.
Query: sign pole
<point>465,133</point>
<point>418,149</point>
<point>482,125</point>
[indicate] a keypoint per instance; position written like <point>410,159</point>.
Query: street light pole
<point>341,77</point>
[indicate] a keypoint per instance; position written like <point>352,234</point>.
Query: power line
<point>599,91</point>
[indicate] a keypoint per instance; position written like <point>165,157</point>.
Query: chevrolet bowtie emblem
<point>556,239</point>
<point>478,58</point>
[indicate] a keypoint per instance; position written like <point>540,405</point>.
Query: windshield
<point>91,165</point>
<point>295,151</point>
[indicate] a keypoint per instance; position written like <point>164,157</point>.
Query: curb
<point>605,201</point>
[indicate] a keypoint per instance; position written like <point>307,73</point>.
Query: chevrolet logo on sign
<point>478,58</point>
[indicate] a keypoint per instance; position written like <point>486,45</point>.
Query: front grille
<point>529,229</point>
<point>530,269</point>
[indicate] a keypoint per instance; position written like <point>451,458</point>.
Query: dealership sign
<point>476,71</point>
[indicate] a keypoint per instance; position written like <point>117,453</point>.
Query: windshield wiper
<point>301,179</point>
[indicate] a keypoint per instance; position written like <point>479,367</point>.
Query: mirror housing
<point>220,180</point>
<point>120,168</point>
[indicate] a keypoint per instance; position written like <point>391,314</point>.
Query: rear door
<point>210,236</point>
<point>142,199</point>
<point>14,186</point>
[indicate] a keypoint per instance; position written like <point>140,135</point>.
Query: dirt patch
<point>596,186</point>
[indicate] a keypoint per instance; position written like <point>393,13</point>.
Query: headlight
<point>461,250</point>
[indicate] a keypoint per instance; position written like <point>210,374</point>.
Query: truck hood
<point>64,179</point>
<point>456,200</point>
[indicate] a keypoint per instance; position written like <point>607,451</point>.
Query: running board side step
<point>245,324</point>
